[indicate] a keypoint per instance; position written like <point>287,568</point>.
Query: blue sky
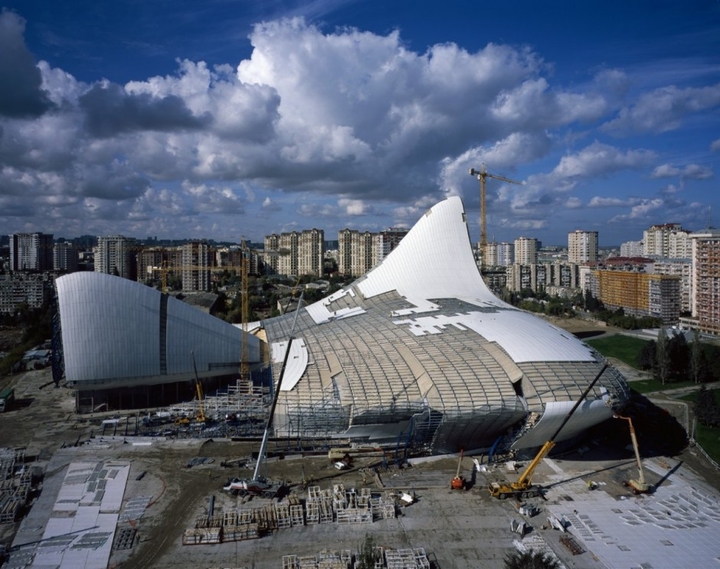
<point>229,118</point>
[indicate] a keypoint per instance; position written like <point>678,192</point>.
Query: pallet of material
<point>202,536</point>
<point>354,516</point>
<point>240,532</point>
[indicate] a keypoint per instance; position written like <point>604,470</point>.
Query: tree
<point>696,357</point>
<point>679,356</point>
<point>530,560</point>
<point>367,555</point>
<point>661,370</point>
<point>646,357</point>
<point>706,408</point>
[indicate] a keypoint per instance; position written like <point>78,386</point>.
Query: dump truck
<point>523,488</point>
<point>7,398</point>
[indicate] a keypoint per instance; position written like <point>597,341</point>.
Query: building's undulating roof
<point>417,351</point>
<point>119,333</point>
<point>420,350</point>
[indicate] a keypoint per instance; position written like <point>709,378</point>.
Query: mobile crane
<point>523,487</point>
<point>638,486</point>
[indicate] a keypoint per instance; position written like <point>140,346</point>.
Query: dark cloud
<point>21,95</point>
<point>110,110</point>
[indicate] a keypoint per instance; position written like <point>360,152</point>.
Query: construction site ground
<point>458,529</point>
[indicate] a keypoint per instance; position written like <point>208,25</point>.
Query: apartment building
<point>31,252</point>
<point>543,276</point>
<point>526,250</point>
<point>18,289</point>
<point>117,255</point>
<point>197,259</point>
<point>296,253</point>
<point>582,246</point>
<point>499,254</point>
<point>706,280</point>
<point>638,293</point>
<point>65,257</point>
<point>667,240</point>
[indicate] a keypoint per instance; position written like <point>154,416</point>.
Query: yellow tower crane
<point>482,176</point>
<point>245,311</point>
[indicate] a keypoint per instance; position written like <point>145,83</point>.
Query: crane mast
<point>482,176</point>
<point>245,311</point>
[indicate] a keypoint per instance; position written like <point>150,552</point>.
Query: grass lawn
<point>708,438</point>
<point>624,348</point>
<point>651,385</point>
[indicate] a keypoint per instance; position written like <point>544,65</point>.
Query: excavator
<point>523,488</point>
<point>638,486</point>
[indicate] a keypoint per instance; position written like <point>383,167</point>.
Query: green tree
<point>530,560</point>
<point>696,357</point>
<point>647,355</point>
<point>368,555</point>
<point>679,356</point>
<point>661,370</point>
<point>706,408</point>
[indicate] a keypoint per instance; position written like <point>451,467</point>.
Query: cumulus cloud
<point>327,126</point>
<point>21,95</point>
<point>663,109</point>
<point>691,171</point>
<point>715,145</point>
<point>110,111</point>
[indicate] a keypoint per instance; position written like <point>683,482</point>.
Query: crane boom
<point>638,485</point>
<point>522,485</point>
<point>482,176</point>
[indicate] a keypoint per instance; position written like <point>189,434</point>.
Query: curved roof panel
<point>119,332</point>
<point>420,348</point>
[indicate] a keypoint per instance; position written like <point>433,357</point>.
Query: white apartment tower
<point>116,255</point>
<point>526,251</point>
<point>196,262</point>
<point>582,246</point>
<point>657,241</point>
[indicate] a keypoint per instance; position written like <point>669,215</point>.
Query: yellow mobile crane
<point>638,486</point>
<point>523,487</point>
<point>200,415</point>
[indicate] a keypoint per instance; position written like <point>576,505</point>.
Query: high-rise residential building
<point>65,257</point>
<point>526,250</point>
<point>638,293</point>
<point>357,251</point>
<point>296,253</point>
<point>679,245</point>
<point>657,240</point>
<point>582,246</point>
<point>31,252</point>
<point>360,251</point>
<point>632,249</point>
<point>388,239</point>
<point>311,252</point>
<point>117,255</point>
<point>197,257</point>
<point>499,254</point>
<point>706,280</point>
<point>681,268</point>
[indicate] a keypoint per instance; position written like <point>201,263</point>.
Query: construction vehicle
<point>200,415</point>
<point>523,488</point>
<point>259,485</point>
<point>638,486</point>
<point>458,482</point>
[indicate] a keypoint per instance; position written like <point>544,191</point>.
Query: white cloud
<point>663,109</point>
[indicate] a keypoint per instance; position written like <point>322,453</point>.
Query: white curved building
<point>118,333</point>
<point>417,351</point>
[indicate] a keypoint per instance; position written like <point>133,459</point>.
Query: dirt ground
<point>43,421</point>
